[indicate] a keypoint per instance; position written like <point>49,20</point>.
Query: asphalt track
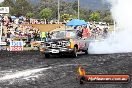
<point>28,70</point>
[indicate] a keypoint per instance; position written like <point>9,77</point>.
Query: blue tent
<point>76,22</point>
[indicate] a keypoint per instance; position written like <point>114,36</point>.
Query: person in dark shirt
<point>8,35</point>
<point>105,32</point>
<point>79,33</point>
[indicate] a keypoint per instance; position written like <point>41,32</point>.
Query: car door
<point>81,44</point>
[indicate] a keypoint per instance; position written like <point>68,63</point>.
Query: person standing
<point>79,33</point>
<point>85,32</point>
<point>43,36</point>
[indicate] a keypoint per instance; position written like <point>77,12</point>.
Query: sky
<point>1,1</point>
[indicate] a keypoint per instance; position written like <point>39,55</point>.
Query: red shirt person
<point>86,32</point>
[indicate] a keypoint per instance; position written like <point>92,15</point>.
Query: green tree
<point>84,14</point>
<point>106,16</point>
<point>30,14</point>
<point>75,6</point>
<point>1,5</point>
<point>18,7</point>
<point>108,19</point>
<point>46,13</point>
<point>94,16</point>
<point>10,4</point>
<point>66,17</point>
<point>23,7</point>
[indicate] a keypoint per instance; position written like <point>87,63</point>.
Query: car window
<point>63,34</point>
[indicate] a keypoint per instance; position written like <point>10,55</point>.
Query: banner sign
<point>16,46</point>
<point>4,10</point>
<point>2,43</point>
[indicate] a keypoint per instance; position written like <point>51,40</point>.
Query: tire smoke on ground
<point>121,42</point>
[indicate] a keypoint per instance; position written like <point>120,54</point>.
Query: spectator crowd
<point>92,31</point>
<point>13,30</point>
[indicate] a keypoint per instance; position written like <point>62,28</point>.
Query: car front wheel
<point>74,54</point>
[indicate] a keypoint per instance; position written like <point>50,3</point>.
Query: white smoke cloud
<point>1,1</point>
<point>122,14</point>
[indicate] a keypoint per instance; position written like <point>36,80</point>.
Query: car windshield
<point>63,34</point>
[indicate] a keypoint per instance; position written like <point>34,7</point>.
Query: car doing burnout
<point>64,43</point>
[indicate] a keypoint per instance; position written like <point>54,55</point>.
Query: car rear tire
<point>82,79</point>
<point>47,55</point>
<point>74,54</point>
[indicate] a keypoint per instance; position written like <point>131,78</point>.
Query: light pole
<point>1,26</point>
<point>114,28</point>
<point>58,11</point>
<point>78,9</point>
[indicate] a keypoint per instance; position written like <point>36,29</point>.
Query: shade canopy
<point>76,22</point>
